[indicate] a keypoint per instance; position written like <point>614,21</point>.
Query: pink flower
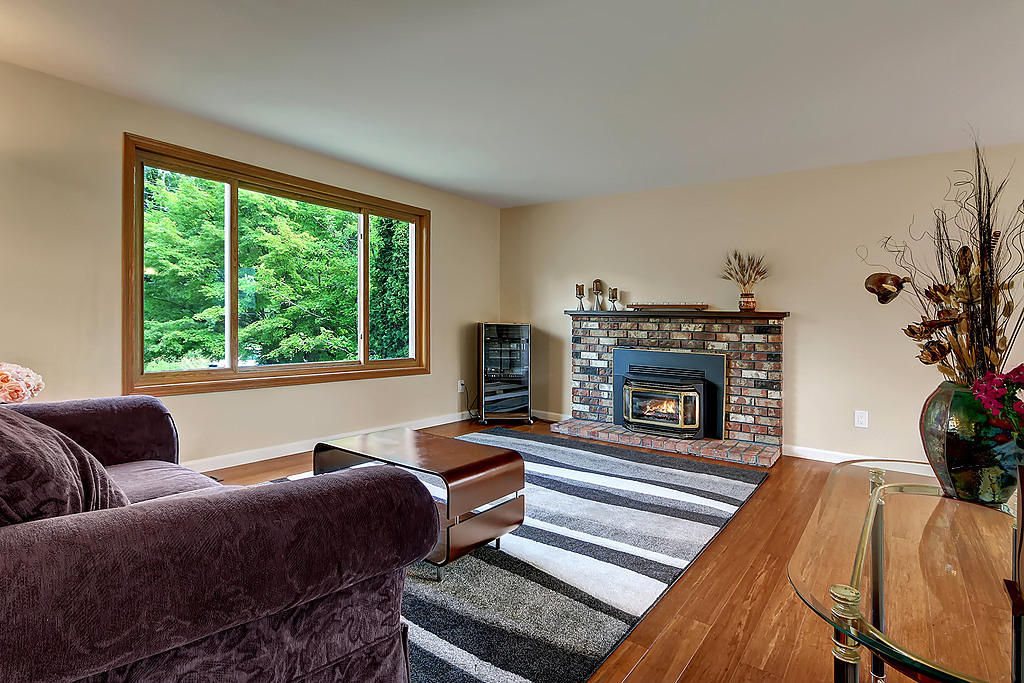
<point>1003,397</point>
<point>990,404</point>
<point>13,392</point>
<point>18,384</point>
<point>1016,375</point>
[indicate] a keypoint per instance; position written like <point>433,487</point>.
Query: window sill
<point>163,386</point>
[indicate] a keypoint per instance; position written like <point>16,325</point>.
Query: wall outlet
<point>860,419</point>
<point>462,386</point>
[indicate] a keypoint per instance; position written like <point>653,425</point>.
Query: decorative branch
<point>964,295</point>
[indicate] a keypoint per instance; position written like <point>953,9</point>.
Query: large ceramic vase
<point>974,456</point>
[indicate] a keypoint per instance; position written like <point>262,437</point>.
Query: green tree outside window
<point>298,278</point>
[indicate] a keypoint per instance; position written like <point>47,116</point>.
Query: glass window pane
<point>390,317</point>
<point>183,294</point>
<point>298,278</point>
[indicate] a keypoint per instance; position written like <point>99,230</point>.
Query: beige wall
<point>843,351</point>
<point>60,249</point>
<point>60,299</point>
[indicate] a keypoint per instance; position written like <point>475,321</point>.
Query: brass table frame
<point>849,624</point>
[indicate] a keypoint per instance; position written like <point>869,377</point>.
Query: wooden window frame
<point>140,150</point>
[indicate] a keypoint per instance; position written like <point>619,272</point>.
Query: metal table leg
<point>845,649</point>
<point>1018,649</point>
<point>1017,601</point>
<point>878,574</point>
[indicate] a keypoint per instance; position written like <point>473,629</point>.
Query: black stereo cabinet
<point>505,372</point>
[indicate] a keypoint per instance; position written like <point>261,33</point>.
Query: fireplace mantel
<point>682,313</point>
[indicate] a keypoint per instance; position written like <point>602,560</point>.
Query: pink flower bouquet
<point>18,384</point>
<point>1000,396</point>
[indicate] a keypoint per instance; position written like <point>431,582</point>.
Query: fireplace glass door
<point>662,407</point>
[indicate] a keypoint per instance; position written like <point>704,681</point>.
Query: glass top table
<point>917,578</point>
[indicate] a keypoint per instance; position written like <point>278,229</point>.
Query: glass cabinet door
<point>505,370</point>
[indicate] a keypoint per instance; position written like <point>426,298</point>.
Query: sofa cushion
<point>43,473</point>
<point>148,479</point>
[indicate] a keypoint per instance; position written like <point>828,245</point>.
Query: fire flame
<point>664,407</point>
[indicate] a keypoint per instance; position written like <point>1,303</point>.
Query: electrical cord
<point>470,405</point>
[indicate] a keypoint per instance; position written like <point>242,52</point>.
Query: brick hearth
<point>720,449</point>
<point>751,342</point>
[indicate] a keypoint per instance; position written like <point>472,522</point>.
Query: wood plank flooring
<point>732,617</point>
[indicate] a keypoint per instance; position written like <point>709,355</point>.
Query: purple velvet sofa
<point>197,582</point>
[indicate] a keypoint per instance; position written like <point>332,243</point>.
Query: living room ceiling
<point>531,101</point>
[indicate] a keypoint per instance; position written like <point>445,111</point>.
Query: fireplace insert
<point>665,407</point>
<point>656,406</point>
<point>674,394</point>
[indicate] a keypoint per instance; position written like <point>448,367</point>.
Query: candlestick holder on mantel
<point>613,297</point>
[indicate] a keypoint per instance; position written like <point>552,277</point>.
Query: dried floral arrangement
<point>963,286</point>
<point>746,270</point>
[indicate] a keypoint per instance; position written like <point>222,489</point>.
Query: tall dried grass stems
<point>746,270</point>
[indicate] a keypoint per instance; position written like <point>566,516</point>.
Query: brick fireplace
<point>751,342</point>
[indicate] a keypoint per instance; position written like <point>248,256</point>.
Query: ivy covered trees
<point>298,278</point>
<point>389,288</point>
<point>183,274</point>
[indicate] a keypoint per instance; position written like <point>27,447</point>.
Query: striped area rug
<point>608,530</point>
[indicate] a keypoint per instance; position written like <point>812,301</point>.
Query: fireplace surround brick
<point>751,342</point>
<point>746,452</point>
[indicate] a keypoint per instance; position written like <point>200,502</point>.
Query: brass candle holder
<point>581,291</point>
<point>598,293</point>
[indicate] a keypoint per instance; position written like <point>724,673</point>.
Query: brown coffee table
<point>474,476</point>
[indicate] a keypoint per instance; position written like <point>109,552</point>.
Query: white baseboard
<point>245,457</point>
<point>909,466</point>
<point>819,454</point>
<point>549,416</point>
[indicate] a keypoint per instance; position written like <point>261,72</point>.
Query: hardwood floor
<point>732,616</point>
<point>265,470</point>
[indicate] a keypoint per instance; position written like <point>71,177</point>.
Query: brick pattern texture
<point>753,347</point>
<point>720,449</point>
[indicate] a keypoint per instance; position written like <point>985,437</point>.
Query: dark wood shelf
<point>680,313</point>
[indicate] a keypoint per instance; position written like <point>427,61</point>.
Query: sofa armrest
<point>116,429</point>
<point>84,593</point>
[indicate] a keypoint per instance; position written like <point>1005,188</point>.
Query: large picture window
<point>240,277</point>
